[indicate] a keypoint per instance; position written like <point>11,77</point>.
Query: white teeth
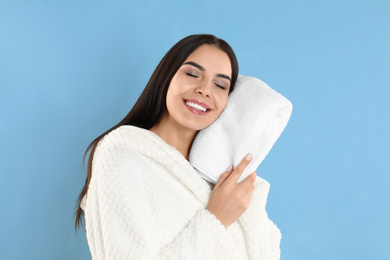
<point>196,106</point>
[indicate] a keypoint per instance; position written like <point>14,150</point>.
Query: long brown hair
<point>151,105</point>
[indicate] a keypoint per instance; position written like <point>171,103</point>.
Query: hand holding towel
<point>252,121</point>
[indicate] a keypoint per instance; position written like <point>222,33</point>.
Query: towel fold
<point>253,119</point>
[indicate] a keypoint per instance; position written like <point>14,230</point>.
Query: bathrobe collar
<point>151,145</point>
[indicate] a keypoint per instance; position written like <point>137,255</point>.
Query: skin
<point>178,126</point>
<point>229,199</point>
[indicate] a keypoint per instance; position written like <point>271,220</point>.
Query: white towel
<point>253,119</point>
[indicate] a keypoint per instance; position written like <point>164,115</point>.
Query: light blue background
<point>69,70</point>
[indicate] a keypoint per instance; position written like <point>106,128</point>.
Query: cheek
<point>172,90</point>
<point>178,85</point>
<point>223,102</point>
<point>175,92</point>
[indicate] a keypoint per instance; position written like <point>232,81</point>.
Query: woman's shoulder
<point>118,150</point>
<point>135,142</point>
<point>132,139</point>
<point>125,135</point>
<point>122,140</point>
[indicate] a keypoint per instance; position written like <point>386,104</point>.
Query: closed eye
<point>219,86</point>
<point>192,75</point>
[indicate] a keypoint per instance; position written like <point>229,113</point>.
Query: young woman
<point>143,200</point>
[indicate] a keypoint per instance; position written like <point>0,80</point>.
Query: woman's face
<point>203,80</point>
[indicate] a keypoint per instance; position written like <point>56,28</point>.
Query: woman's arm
<point>121,222</point>
<point>262,235</point>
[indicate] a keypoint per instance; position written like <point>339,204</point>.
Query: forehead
<point>212,59</point>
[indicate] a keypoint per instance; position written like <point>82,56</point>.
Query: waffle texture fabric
<point>145,201</point>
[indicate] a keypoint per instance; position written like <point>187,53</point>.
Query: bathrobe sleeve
<point>262,235</point>
<point>120,222</point>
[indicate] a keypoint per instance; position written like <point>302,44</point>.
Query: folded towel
<point>253,119</point>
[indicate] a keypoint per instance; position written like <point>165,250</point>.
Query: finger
<point>233,178</point>
<point>249,181</point>
<point>223,177</point>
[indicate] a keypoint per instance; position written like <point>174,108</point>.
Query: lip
<point>200,103</point>
<point>195,111</point>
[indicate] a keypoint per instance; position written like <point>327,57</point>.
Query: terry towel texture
<point>254,118</point>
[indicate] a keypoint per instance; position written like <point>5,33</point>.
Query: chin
<point>196,127</point>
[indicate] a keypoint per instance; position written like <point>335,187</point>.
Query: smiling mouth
<point>195,110</point>
<point>196,106</point>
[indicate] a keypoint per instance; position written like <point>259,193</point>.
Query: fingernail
<point>229,168</point>
<point>249,156</point>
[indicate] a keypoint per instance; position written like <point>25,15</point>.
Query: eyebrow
<point>202,69</point>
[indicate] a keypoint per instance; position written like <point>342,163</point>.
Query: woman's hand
<point>229,199</point>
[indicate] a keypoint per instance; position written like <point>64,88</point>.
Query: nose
<point>203,89</point>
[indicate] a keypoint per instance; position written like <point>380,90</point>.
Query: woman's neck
<point>176,135</point>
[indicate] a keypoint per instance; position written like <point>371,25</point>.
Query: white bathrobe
<point>145,201</point>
